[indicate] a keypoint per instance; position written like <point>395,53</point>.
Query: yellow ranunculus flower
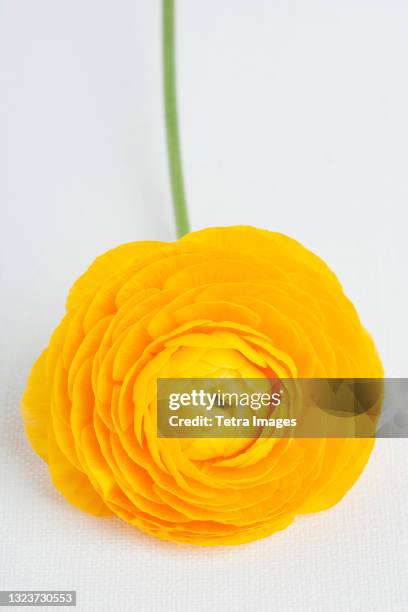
<point>233,301</point>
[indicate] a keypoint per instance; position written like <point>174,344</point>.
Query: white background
<point>293,118</point>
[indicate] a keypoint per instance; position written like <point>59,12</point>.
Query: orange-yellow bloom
<point>234,301</point>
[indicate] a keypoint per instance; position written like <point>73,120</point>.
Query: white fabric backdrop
<point>293,117</point>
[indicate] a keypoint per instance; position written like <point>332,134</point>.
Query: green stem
<point>170,103</point>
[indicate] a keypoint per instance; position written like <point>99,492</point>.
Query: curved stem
<point>170,104</point>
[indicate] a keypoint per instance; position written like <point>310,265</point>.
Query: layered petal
<point>233,302</point>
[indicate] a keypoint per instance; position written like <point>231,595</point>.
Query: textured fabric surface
<point>293,119</point>
<point>352,557</point>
